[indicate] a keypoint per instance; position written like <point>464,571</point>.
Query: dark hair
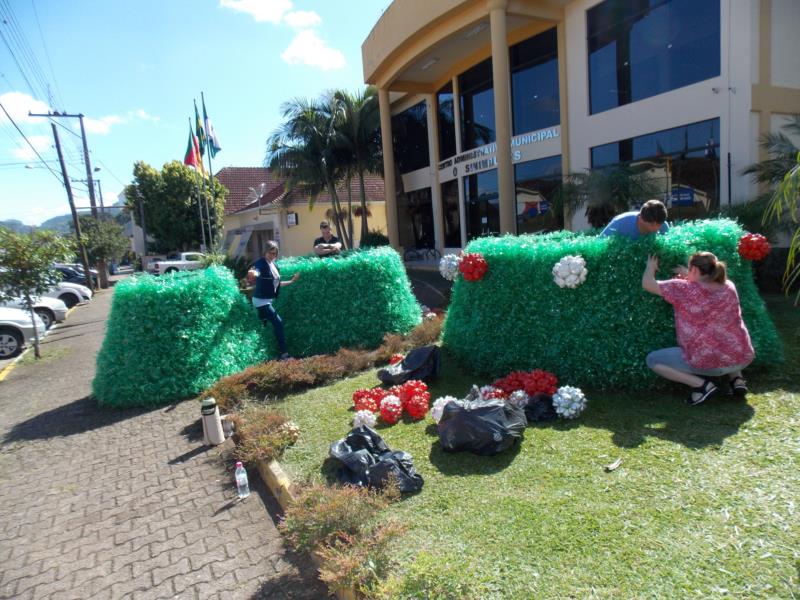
<point>710,268</point>
<point>653,211</point>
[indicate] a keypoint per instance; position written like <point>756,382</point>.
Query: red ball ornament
<point>396,358</point>
<point>417,405</point>
<point>753,246</point>
<point>473,266</point>
<point>537,381</point>
<point>364,399</point>
<point>391,409</point>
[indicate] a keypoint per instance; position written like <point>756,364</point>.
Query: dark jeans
<point>267,313</point>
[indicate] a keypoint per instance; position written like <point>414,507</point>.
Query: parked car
<point>150,262</point>
<point>70,293</point>
<point>16,331</point>
<point>50,310</point>
<point>180,261</point>
<point>70,275</point>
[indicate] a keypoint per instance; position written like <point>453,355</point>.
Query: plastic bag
<point>540,408</point>
<point>368,462</point>
<point>420,364</point>
<point>481,427</point>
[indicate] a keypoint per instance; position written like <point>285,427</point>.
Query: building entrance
<point>482,202</point>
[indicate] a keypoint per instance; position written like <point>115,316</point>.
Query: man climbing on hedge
<point>327,244</point>
<point>651,218</point>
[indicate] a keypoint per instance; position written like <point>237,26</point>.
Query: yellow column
<point>502,116</point>
<point>389,192</point>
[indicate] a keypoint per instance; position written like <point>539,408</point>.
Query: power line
<point>24,48</point>
<point>36,152</point>
<point>47,54</point>
<point>110,172</point>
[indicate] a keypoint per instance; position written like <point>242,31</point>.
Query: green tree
<point>170,200</point>
<point>26,266</point>
<point>104,240</point>
<point>357,138</point>
<point>303,150</point>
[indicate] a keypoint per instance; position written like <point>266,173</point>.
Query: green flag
<point>201,135</point>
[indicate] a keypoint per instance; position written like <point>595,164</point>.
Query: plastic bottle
<point>242,487</point>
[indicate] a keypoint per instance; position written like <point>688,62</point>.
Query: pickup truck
<point>180,261</point>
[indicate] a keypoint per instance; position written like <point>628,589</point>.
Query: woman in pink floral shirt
<point>712,336</point>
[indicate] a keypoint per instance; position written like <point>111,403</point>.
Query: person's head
<point>325,228</point>
<point>704,266</point>
<point>652,216</point>
<point>271,250</point>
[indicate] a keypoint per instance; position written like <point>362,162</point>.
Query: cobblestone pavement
<point>99,503</point>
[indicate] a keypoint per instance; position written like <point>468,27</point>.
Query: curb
<point>280,486</point>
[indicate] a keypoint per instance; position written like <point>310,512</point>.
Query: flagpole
<point>199,201</point>
<point>208,150</point>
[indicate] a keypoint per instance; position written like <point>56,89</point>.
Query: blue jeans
<point>673,357</point>
<point>267,313</point>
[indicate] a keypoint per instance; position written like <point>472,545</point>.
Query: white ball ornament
<point>365,417</point>
<point>438,406</point>
<point>518,398</point>
<point>569,402</point>
<point>570,271</point>
<point>448,266</point>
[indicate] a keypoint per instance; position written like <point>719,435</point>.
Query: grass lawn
<point>705,504</point>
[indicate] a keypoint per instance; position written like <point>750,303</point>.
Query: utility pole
<point>92,199</point>
<point>100,193</point>
<point>75,221</point>
<point>144,229</point>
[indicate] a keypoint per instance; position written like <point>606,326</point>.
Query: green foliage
<point>598,334</point>
<point>431,576</point>
<point>373,239</point>
<point>170,199</point>
<point>172,336</point>
<point>320,513</point>
<point>104,239</point>
<point>26,261</point>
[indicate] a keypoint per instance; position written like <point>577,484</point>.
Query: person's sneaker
<point>702,393</point>
<point>737,387</point>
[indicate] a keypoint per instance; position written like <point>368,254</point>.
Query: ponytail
<point>710,268</point>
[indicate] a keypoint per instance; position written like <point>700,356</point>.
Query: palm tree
<point>782,170</point>
<point>302,150</point>
<point>357,138</point>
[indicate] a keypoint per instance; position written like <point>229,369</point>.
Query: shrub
<point>374,239</point>
<point>430,576</point>
<point>321,513</point>
<point>262,434</point>
<point>359,562</point>
<point>598,334</point>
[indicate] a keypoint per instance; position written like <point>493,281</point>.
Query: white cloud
<point>18,104</point>
<point>271,11</point>
<point>142,114</point>
<point>300,19</point>
<point>309,49</point>
<point>40,142</point>
<point>102,125</point>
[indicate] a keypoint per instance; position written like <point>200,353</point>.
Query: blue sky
<point>133,69</point>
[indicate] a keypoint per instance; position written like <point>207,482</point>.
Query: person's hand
<point>251,276</point>
<point>681,271</point>
<point>652,263</point>
<point>295,277</point>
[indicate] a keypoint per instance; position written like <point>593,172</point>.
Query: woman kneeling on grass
<point>713,339</point>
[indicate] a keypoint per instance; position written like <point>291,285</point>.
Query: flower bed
<point>594,329</point>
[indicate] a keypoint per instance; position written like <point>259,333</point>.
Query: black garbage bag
<point>368,462</point>
<point>479,427</point>
<point>421,363</point>
<point>540,408</point>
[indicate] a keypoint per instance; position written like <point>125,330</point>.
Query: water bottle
<point>242,487</point>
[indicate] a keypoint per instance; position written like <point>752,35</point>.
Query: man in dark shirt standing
<point>327,244</point>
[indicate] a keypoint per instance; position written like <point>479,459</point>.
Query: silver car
<point>16,331</point>
<point>50,310</point>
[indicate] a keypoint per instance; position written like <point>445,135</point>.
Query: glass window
<point>683,160</point>
<point>415,219</point>
<point>534,83</point>
<point>482,203</point>
<point>410,137</point>
<point>641,48</point>
<point>536,182</point>
<point>452,218</point>
<point>477,106</point>
<point>447,122</point>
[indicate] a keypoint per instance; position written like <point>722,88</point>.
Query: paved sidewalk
<point>101,503</point>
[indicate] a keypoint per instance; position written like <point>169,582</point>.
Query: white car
<point>70,293</point>
<point>50,310</point>
<point>16,331</point>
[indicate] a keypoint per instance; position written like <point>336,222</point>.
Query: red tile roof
<point>241,180</point>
